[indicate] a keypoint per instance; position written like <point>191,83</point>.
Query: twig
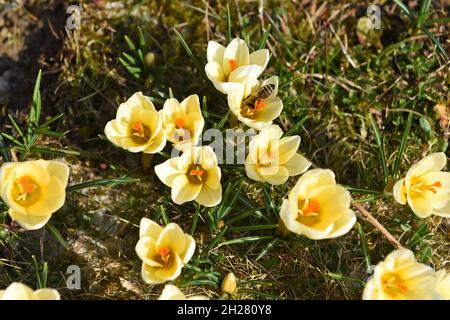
<point>377,224</point>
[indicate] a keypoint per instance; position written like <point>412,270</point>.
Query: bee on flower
<point>163,251</point>
<point>33,190</point>
<point>137,127</point>
<point>19,291</point>
<point>274,159</point>
<point>401,277</point>
<point>255,102</point>
<point>426,188</point>
<point>230,66</point>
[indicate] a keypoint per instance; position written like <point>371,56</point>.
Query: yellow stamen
<point>196,172</point>
<point>138,127</point>
<point>432,187</point>
<point>164,252</point>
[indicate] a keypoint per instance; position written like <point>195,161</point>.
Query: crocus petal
<point>189,249</point>
<point>149,228</point>
<point>52,198</point>
<point>237,51</point>
<point>271,110</point>
<point>343,225</point>
<point>149,276</point>
<point>172,272</point>
<point>399,191</point>
<point>297,165</point>
<point>46,294</point>
<point>171,292</point>
<point>17,291</point>
<point>172,237</point>
<point>184,191</point>
<point>215,52</point>
<point>57,169</point>
<point>287,148</point>
<point>432,162</point>
<point>245,72</point>
<point>209,197</point>
<point>260,58</point>
<point>214,72</point>
<point>168,171</point>
<point>28,221</point>
<point>420,206</point>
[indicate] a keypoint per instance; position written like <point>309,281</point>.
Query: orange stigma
<point>259,104</point>
<point>432,187</point>
<point>138,127</point>
<point>179,123</point>
<point>26,185</point>
<point>232,64</point>
<point>197,172</point>
<point>312,207</point>
<point>400,286</point>
<point>164,252</point>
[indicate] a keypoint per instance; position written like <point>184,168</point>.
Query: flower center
<point>196,174</point>
<point>26,191</point>
<point>164,253</point>
<point>394,284</point>
<point>420,187</point>
<point>250,107</point>
<point>179,123</point>
<point>140,132</point>
<point>233,64</point>
<point>309,208</point>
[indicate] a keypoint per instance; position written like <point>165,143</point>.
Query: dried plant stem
<point>377,224</point>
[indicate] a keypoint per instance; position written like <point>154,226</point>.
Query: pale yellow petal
<point>215,52</point>
<point>184,191</point>
<point>209,197</point>
<point>149,228</point>
<point>260,58</point>
<point>298,164</point>
<point>28,221</point>
<point>168,171</point>
<point>46,294</point>
<point>171,292</point>
<point>399,191</point>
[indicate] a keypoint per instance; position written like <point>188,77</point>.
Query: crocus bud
<point>229,284</point>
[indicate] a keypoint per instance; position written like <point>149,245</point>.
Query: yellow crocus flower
<point>317,207</point>
<point>163,251</point>
<point>33,190</point>
<point>183,122</point>
<point>195,175</point>
<point>19,291</point>
<point>274,159</point>
<point>426,188</point>
<point>255,103</point>
<point>401,277</point>
<point>171,292</point>
<point>230,66</point>
<point>137,127</point>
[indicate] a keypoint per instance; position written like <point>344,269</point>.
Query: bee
<point>254,101</point>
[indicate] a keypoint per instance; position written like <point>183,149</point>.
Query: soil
<point>31,38</point>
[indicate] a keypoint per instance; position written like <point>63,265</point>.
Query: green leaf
<point>184,44</point>
<point>405,9</point>
<point>4,150</point>
<point>57,235</point>
<point>365,249</point>
<point>439,46</point>
<point>195,219</point>
<point>267,248</point>
<point>244,240</point>
<point>401,148</point>
<point>425,125</point>
<point>263,42</point>
<point>109,182</point>
<point>294,128</point>
<point>228,25</point>
<point>381,153</point>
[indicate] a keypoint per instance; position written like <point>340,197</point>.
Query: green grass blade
<point>405,9</point>
<point>57,235</point>
<point>228,25</point>
<point>295,127</point>
<point>402,146</point>
<point>381,153</point>
<point>4,149</point>
<point>267,248</point>
<point>264,38</point>
<point>244,240</point>
<point>184,44</point>
<point>439,46</point>
<point>195,219</point>
<point>110,182</point>
<point>365,249</point>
